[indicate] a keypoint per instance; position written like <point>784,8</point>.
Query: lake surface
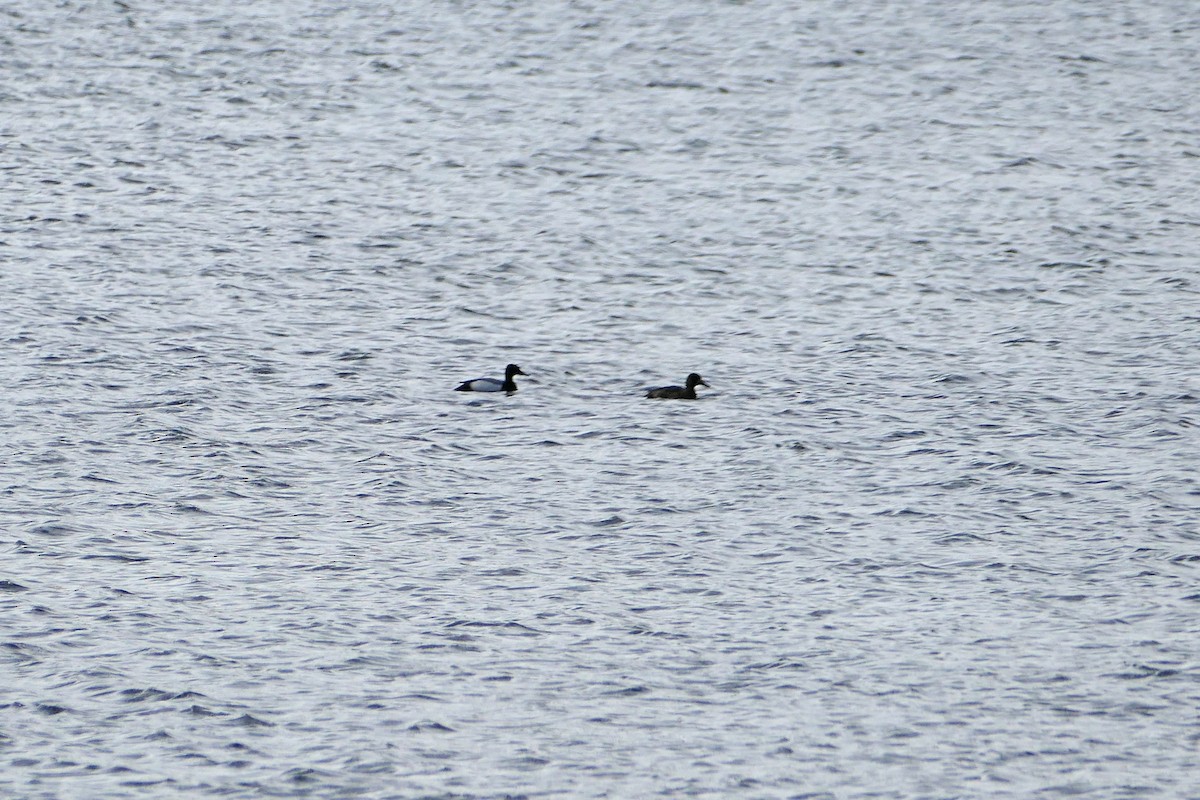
<point>933,532</point>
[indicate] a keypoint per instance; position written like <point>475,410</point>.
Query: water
<point>932,532</point>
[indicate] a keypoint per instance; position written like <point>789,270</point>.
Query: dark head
<point>513,369</point>
<point>695,380</point>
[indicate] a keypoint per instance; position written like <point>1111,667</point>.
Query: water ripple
<point>931,530</point>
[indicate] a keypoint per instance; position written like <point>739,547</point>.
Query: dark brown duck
<point>687,392</point>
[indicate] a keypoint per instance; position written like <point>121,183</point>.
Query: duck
<point>687,392</point>
<point>491,384</point>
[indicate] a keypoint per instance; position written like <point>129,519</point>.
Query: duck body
<point>687,392</point>
<point>491,384</point>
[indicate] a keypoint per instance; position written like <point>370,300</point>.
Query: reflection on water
<point>930,532</point>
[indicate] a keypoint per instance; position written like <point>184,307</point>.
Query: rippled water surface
<point>933,532</point>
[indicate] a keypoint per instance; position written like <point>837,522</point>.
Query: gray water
<point>933,532</point>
